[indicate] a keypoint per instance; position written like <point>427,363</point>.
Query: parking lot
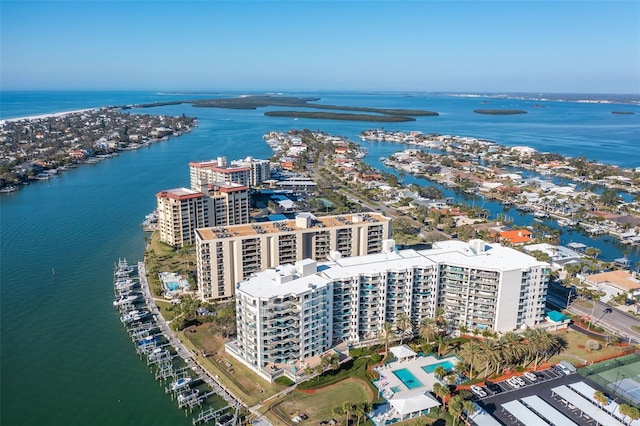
<point>504,392</point>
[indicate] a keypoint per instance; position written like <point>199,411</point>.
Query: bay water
<point>65,357</point>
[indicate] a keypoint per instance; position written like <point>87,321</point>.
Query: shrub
<point>284,380</point>
<point>375,358</point>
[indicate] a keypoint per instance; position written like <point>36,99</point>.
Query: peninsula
<point>38,147</point>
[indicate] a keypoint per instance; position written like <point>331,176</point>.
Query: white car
<point>513,383</point>
<point>531,376</point>
<point>478,391</point>
<point>520,381</point>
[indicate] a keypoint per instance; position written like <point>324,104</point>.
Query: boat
<point>8,189</point>
<point>148,340</point>
<point>158,353</point>
<point>124,299</point>
<point>133,316</point>
<point>567,223</point>
<point>184,396</point>
<point>180,383</point>
<point>540,214</point>
<point>123,269</point>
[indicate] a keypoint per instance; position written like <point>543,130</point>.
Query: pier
<point>156,342</point>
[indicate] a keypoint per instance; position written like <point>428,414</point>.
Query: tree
<point>609,197</point>
<point>628,411</point>
<point>440,371</point>
<point>459,405</point>
<point>385,336</point>
<point>442,392</point>
<point>347,409</point>
<point>428,330</point>
<point>405,327</point>
<point>600,398</point>
<point>592,252</point>
<point>470,352</point>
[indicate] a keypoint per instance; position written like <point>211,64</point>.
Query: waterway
<point>65,359</point>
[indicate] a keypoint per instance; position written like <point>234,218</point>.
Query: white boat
<point>540,214</point>
<point>133,316</point>
<point>567,223</point>
<point>126,299</point>
<point>123,269</point>
<point>180,383</point>
<point>147,340</point>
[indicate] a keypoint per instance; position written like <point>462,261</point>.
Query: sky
<point>542,46</point>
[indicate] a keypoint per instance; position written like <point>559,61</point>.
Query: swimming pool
<point>447,365</point>
<point>406,377</point>
<point>173,285</point>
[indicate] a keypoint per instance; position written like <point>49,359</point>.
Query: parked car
<point>514,384</point>
<point>478,391</point>
<point>531,376</point>
<point>494,387</point>
<point>520,381</point>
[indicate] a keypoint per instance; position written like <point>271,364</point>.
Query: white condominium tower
<point>218,170</point>
<point>259,170</point>
<point>296,311</point>
<point>227,255</point>
<point>182,210</point>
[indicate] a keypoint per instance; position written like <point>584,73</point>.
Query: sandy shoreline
<point>43,116</point>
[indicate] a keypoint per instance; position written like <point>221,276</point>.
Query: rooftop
<point>623,280</point>
<point>316,223</point>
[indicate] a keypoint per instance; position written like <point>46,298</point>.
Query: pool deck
<point>389,380</point>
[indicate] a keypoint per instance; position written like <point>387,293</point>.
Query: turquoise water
<point>406,377</point>
<point>447,365</point>
<point>173,286</point>
<point>64,356</point>
<point>395,389</point>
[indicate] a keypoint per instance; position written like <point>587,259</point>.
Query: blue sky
<point>480,46</point>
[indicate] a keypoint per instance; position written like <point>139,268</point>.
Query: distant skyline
<point>456,46</point>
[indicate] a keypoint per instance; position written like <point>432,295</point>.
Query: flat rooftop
<point>256,229</point>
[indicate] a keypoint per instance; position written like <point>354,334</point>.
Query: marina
<point>172,364</point>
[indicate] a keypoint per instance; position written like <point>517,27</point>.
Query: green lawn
<point>318,405</point>
<point>577,352</point>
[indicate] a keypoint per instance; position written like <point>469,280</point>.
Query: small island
<point>340,116</point>
<point>499,111</point>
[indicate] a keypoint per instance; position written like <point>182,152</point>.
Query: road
<point>610,319</point>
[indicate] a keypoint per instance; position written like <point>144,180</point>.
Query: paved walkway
<point>188,357</point>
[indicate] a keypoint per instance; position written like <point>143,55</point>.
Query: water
<point>407,378</point>
<point>447,365</point>
<point>65,357</point>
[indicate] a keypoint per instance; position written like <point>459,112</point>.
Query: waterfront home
<point>516,236</point>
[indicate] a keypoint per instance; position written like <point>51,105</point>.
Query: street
<point>610,319</point>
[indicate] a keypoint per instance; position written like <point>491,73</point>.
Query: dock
<point>156,343</point>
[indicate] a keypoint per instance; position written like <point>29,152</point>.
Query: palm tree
<point>428,329</point>
<point>460,368</point>
<point>385,336</point>
<point>600,398</point>
<point>440,371</point>
<point>628,411</point>
<point>490,355</point>
<point>536,341</point>
<point>442,392</point>
<point>347,409</point>
<point>458,405</point>
<point>512,347</point>
<point>470,352</point>
<point>403,321</point>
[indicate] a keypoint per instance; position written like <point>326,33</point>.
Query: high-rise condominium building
<point>228,255</point>
<point>259,170</point>
<point>209,172</point>
<point>293,312</point>
<point>182,210</point>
